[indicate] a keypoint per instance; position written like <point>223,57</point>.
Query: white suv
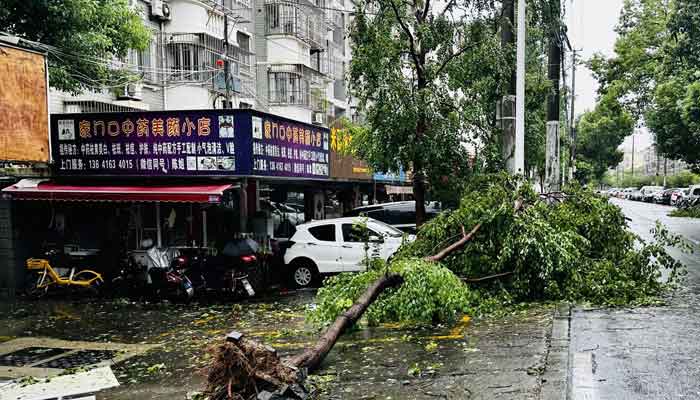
<point>338,245</point>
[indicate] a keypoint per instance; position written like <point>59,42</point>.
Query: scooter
<point>152,276</point>
<point>232,271</point>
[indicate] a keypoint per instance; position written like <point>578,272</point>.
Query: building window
<point>184,62</point>
<point>287,88</point>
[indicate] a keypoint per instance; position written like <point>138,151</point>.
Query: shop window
<point>324,233</point>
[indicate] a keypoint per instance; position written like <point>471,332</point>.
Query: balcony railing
<point>196,57</point>
<point>296,84</point>
<point>284,17</point>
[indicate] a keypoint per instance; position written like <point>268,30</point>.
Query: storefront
<point>180,178</point>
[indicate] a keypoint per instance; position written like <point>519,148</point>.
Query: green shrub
<point>690,212</point>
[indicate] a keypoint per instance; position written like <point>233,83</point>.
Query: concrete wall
<point>287,50</point>
<point>292,112</point>
<point>189,97</point>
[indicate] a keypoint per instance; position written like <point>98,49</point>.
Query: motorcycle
<point>152,274</point>
<point>235,271</point>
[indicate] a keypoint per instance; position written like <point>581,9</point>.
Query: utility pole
<point>572,121</point>
<point>508,101</point>
<point>552,149</point>
<point>520,92</point>
<point>633,154</point>
<point>227,65</point>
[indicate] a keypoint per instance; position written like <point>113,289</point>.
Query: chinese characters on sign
<point>291,149</point>
<point>192,143</point>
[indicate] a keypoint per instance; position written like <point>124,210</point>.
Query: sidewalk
<point>486,359</point>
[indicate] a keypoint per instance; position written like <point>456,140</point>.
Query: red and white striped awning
<point>33,189</point>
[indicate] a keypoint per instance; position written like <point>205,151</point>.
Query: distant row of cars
<point>656,194</point>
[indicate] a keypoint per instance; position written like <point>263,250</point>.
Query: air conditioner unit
<point>319,118</point>
<point>160,10</point>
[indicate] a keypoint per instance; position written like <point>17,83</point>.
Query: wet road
<point>647,352</point>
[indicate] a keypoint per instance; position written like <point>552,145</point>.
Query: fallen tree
<point>243,368</point>
<point>521,247</point>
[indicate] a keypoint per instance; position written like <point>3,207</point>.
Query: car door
<point>324,250</point>
<point>352,248</point>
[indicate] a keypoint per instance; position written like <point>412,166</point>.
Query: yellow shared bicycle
<point>44,277</point>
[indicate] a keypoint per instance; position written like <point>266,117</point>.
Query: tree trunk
<point>419,196</point>
<point>312,357</point>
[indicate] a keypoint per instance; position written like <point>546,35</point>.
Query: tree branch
<point>487,278</point>
<point>517,206</point>
<point>456,245</point>
<point>452,57</point>
<point>447,7</point>
<point>411,40</point>
<point>425,10</point>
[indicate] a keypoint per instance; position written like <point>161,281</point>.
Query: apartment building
<point>286,57</point>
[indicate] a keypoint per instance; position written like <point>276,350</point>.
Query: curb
<point>554,379</point>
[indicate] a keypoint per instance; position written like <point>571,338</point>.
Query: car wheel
<point>303,274</point>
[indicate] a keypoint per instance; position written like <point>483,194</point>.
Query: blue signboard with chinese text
<point>188,143</point>
<point>283,147</point>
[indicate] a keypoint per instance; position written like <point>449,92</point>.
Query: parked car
<point>678,195</point>
<point>626,193</point>
<point>338,245</point>
<point>692,199</point>
<point>647,192</point>
<point>635,195</point>
<point>664,196</point>
<point>400,214</point>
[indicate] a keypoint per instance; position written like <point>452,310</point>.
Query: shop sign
<point>390,176</point>
<point>187,143</point>
<point>286,148</point>
<point>343,164</point>
<point>153,143</point>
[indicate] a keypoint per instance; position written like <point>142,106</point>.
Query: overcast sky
<point>591,28</point>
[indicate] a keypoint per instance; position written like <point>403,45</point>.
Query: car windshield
<point>386,228</point>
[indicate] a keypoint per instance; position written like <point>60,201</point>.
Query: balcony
<point>239,11</point>
<point>303,21</point>
<point>195,57</point>
<point>296,84</point>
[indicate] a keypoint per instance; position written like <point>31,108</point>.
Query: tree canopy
<point>600,133</point>
<point>85,37</point>
<point>427,76</point>
<point>654,72</point>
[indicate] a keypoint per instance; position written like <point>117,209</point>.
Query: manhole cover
<point>29,355</point>
<point>79,359</point>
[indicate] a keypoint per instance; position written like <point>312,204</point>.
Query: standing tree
<point>654,72</point>
<point>428,76</point>
<point>85,37</point>
<point>600,133</point>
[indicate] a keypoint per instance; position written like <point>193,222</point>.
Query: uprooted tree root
<point>242,368</point>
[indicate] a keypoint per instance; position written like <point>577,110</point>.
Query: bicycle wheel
<point>37,284</point>
<point>95,285</point>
